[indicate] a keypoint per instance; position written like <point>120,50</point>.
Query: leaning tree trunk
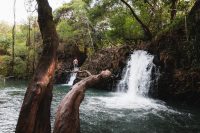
<point>35,111</point>
<point>145,28</point>
<point>67,116</point>
<point>173,9</point>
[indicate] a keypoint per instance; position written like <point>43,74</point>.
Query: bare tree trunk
<point>33,63</point>
<point>146,30</point>
<point>67,116</point>
<point>28,45</point>
<point>13,40</point>
<point>34,46</point>
<point>173,9</point>
<point>35,111</point>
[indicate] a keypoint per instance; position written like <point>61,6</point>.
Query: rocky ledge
<point>66,55</point>
<point>178,55</point>
<point>113,59</point>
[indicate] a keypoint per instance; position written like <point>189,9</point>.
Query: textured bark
<point>35,111</point>
<point>173,9</point>
<point>67,116</point>
<point>145,28</point>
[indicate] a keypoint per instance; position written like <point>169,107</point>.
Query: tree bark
<point>35,111</point>
<point>34,47</point>
<point>173,9</point>
<point>145,28</point>
<point>28,45</point>
<point>67,116</point>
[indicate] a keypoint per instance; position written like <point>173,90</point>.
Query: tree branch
<point>67,115</point>
<point>144,27</point>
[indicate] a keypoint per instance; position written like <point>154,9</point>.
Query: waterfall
<point>136,80</point>
<point>133,90</point>
<point>122,86</point>
<point>72,76</point>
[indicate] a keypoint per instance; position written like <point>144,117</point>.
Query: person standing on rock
<point>75,63</point>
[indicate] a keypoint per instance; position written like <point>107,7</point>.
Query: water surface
<point>106,112</point>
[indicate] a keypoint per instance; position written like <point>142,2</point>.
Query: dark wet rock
<point>113,59</point>
<point>66,55</point>
<point>179,61</point>
<point>182,86</point>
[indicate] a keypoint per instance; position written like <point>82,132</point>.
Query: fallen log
<point>67,116</point>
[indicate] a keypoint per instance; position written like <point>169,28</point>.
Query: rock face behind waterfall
<point>179,55</point>
<point>66,54</point>
<point>182,85</point>
<point>113,59</point>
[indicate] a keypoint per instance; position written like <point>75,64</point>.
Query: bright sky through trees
<point>6,10</point>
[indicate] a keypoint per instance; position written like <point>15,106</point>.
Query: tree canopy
<point>91,25</point>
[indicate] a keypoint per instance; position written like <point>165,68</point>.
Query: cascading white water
<point>137,76</point>
<point>140,73</point>
<point>134,86</point>
<point>72,78</point>
<point>123,83</point>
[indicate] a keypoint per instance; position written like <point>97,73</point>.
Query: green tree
<point>73,24</point>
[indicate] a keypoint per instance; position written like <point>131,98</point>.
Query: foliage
<point>24,49</point>
<point>124,27</point>
<point>5,42</point>
<point>5,35</point>
<point>4,65</point>
<point>74,26</point>
<point>65,30</point>
<point>92,25</point>
<point>20,68</point>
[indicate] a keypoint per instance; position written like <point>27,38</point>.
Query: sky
<point>6,10</point>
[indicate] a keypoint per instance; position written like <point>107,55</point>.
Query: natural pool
<point>107,112</point>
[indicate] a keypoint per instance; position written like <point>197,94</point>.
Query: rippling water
<point>106,112</point>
